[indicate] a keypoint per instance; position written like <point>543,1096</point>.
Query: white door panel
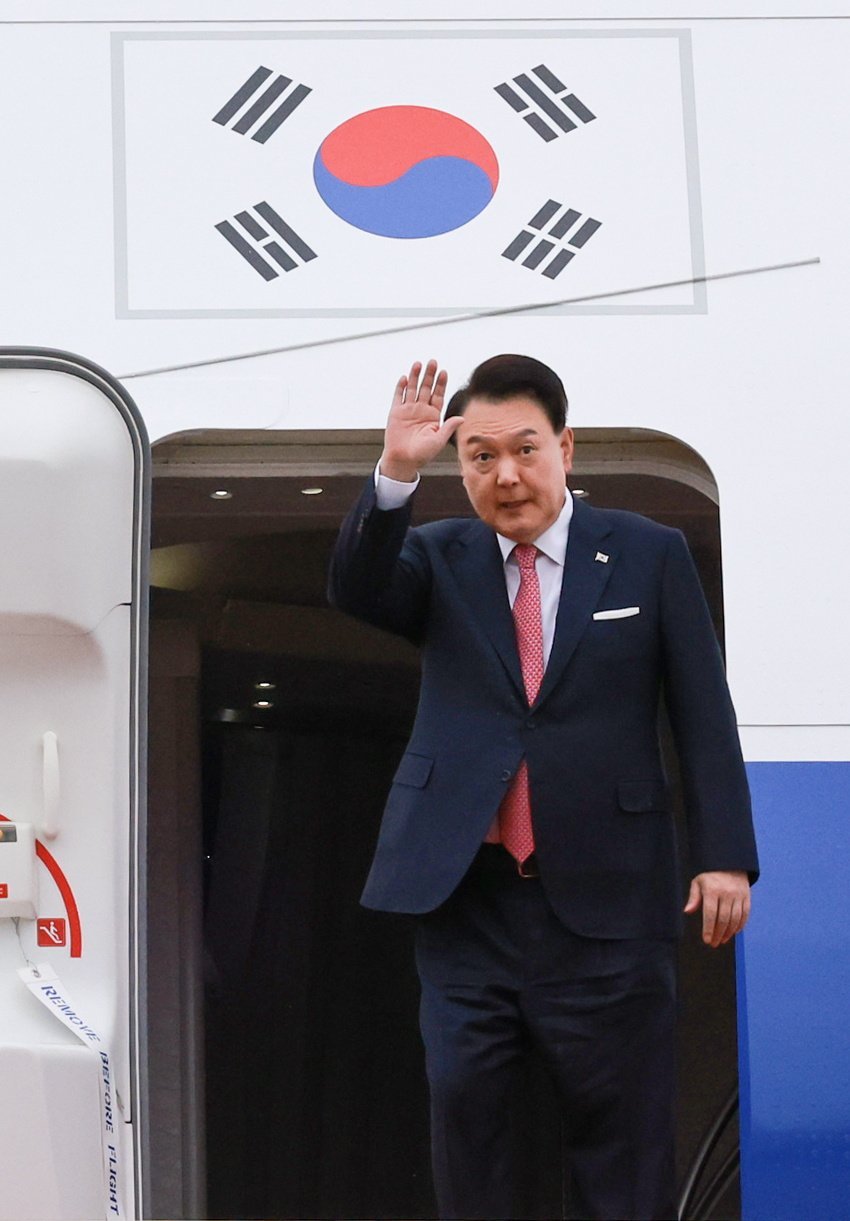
<point>54,1091</point>
<point>72,531</point>
<point>67,457</point>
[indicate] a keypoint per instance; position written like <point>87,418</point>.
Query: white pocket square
<point>624,612</point>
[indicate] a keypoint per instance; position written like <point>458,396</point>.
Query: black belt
<point>495,858</point>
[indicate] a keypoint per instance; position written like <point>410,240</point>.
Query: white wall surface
<point>756,383</point>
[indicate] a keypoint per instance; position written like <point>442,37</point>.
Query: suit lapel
<point>585,578</point>
<point>477,564</point>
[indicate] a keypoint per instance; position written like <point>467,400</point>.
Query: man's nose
<point>506,473</point>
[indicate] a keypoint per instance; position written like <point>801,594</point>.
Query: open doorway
<point>286,1072</point>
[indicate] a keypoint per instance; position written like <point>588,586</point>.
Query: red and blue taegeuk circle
<point>406,171</point>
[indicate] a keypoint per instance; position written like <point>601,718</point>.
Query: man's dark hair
<point>509,376</point>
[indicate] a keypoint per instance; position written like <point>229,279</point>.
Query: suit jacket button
<point>506,775</point>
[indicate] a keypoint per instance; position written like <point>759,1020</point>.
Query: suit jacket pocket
<point>413,770</point>
<point>643,796</point>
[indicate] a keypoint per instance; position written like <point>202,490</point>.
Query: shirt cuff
<point>391,493</point>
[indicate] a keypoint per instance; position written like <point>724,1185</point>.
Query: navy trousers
<point>499,972</point>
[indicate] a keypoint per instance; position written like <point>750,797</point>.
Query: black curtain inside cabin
<point>316,1101</point>
<point>316,1096</point>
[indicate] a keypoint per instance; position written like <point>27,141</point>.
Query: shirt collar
<point>552,542</point>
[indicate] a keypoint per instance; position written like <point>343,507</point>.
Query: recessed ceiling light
<point>312,491</point>
<point>263,686</point>
<point>221,494</point>
<point>263,704</point>
<point>579,492</point>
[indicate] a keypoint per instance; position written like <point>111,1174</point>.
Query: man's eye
<point>482,458</point>
<point>527,449</point>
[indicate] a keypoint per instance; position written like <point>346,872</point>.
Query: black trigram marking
<point>263,241</point>
<point>565,235</point>
<point>545,98</point>
<point>258,103</point>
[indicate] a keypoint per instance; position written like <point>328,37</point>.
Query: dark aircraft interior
<point>285,1068</point>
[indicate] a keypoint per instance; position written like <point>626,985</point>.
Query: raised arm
<point>379,572</point>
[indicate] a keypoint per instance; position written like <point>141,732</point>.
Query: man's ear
<point>567,447</point>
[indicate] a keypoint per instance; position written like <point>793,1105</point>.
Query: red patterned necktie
<point>515,829</point>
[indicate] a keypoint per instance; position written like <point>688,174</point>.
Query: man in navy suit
<point>529,824</point>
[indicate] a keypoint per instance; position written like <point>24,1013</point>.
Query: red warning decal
<point>72,911</point>
<point>4,890</point>
<point>50,932</point>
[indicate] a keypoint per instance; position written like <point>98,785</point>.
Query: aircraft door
<point>73,542</point>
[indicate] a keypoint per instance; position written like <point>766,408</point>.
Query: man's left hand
<point>725,901</point>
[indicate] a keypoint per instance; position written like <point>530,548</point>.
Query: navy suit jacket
<point>601,809</point>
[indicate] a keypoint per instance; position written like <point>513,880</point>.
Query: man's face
<point>513,465</point>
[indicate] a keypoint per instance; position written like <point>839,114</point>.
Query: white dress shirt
<point>552,544</point>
